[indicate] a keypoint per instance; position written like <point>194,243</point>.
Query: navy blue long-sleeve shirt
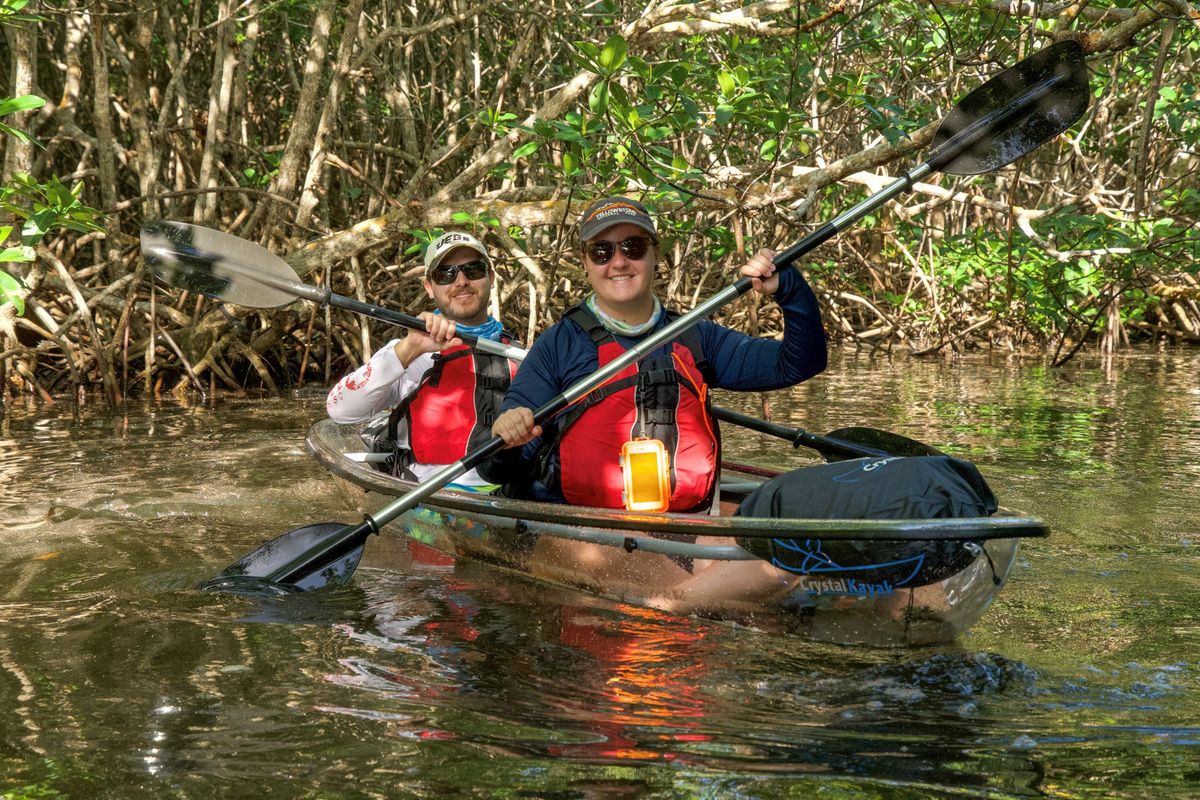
<point>564,355</point>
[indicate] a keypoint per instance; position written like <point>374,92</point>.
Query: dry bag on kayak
<point>924,487</point>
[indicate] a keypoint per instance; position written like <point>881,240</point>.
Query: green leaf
<point>726,82</point>
<point>16,133</point>
<point>769,149</point>
<point>25,102</point>
<point>462,218</point>
<point>587,55</point>
<point>10,287</point>
<point>598,98</point>
<point>16,254</point>
<point>613,54</point>
<point>501,170</point>
<point>524,150</point>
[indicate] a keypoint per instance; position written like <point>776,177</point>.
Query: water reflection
<point>433,678</point>
<point>598,683</point>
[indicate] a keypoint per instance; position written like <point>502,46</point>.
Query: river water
<point>118,679</point>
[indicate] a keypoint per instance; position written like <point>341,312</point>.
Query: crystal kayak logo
<point>823,575</point>
<point>844,586</point>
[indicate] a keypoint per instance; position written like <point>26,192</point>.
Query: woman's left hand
<point>761,271</point>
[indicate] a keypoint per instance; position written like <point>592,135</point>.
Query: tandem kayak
<point>882,582</point>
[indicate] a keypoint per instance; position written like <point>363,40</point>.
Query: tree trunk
<point>219,98</point>
<point>139,104</point>
<point>102,119</point>
<point>316,159</point>
<point>22,45</point>
<point>304,122</point>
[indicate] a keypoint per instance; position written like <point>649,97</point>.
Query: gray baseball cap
<point>608,211</point>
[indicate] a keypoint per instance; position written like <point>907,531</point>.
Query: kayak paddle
<point>1009,116</point>
<point>233,270</point>
<point>250,275</point>
<point>840,444</point>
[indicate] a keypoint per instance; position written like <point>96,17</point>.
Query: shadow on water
<point>427,677</point>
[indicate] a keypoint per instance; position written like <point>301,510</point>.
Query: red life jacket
<point>452,410</point>
<point>661,397</point>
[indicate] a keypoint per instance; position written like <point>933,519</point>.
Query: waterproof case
<point>647,471</point>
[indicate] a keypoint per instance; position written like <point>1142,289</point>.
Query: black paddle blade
<point>216,264</point>
<point>294,561</point>
<point>891,443</point>
<point>1023,107</point>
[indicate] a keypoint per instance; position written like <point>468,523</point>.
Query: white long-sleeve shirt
<point>380,385</point>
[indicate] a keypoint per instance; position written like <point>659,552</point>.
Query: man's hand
<point>438,335</point>
<point>516,427</point>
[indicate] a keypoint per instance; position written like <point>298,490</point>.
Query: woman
<point>576,457</point>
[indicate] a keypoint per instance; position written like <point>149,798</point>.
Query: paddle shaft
<point>326,296</point>
<point>798,436</point>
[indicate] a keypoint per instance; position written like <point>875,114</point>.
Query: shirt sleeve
<point>748,363</point>
<point>559,358</point>
<point>376,386</point>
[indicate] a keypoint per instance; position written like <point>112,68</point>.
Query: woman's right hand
<point>516,427</point>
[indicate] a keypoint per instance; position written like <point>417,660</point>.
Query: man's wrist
<point>405,352</point>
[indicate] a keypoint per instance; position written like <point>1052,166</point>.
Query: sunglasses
<point>601,252</point>
<point>448,274</point>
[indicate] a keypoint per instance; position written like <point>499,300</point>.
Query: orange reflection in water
<point>651,668</point>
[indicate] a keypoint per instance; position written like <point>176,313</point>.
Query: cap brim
<point>591,230</point>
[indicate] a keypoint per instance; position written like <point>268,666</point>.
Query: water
<point>425,678</point>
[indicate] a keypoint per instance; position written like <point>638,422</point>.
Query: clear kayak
<point>881,582</point>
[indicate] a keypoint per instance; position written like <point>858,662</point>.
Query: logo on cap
<point>612,209</point>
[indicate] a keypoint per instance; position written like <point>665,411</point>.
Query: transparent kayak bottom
<point>723,581</point>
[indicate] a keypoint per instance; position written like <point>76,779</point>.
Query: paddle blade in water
<point>217,265</point>
<point>891,443</point>
<point>269,570</point>
<point>1023,107</point>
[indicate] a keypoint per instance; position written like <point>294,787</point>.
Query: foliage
<point>742,125</point>
<point>44,206</point>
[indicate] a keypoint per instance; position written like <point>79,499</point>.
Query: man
<point>576,457</point>
<point>444,395</point>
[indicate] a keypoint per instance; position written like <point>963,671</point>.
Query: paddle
<point>838,445</point>
<point>233,270</point>
<point>250,275</point>
<point>999,122</point>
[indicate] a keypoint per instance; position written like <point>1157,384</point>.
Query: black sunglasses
<point>448,274</point>
<point>601,252</point>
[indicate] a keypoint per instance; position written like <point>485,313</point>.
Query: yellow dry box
<point>647,470</point>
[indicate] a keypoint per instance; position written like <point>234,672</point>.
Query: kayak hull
<point>696,564</point>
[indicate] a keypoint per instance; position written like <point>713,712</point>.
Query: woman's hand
<point>761,271</point>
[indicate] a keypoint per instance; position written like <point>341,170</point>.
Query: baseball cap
<point>608,211</point>
<point>442,245</point>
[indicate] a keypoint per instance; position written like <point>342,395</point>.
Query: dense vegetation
<point>345,134</point>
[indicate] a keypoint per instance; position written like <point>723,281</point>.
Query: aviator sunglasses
<point>601,252</point>
<point>448,274</point>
